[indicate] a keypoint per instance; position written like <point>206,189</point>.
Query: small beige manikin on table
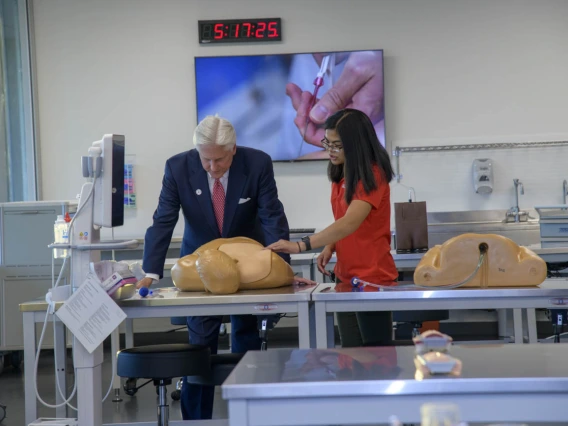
<point>227,265</point>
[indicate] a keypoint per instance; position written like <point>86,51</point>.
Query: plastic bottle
<point>61,234</point>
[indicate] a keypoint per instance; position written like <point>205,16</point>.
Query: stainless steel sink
<point>445,225</point>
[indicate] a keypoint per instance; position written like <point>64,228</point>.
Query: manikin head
<point>216,141</point>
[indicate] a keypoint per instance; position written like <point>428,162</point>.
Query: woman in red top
<point>360,172</point>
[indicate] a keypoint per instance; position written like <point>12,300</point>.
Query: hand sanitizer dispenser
<point>483,176</point>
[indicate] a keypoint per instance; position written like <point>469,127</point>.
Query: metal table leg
<point>129,333</point>
<point>29,366</point>
<point>114,348</point>
<point>321,325</point>
<point>238,412</point>
<point>330,327</point>
<point>502,323</point>
<point>518,324</point>
<point>304,325</point>
<point>531,325</point>
<point>60,349</point>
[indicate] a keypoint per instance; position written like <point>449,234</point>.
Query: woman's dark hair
<point>362,150</point>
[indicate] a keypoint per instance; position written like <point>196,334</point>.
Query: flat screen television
<point>266,97</point>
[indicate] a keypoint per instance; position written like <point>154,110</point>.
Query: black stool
<point>176,394</point>
<point>161,363</point>
<point>221,367</point>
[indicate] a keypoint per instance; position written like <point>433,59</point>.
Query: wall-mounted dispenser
<point>483,175</point>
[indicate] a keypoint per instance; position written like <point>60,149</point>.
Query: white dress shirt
<point>224,182</point>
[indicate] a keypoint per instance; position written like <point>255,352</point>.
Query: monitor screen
<point>267,97</point>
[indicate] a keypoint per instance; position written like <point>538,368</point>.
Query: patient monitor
<point>227,265</point>
<point>504,263</point>
<point>108,208</point>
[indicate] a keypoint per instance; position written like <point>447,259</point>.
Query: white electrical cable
<point>356,282</point>
<point>51,307</point>
<point>36,368</point>
<point>61,393</point>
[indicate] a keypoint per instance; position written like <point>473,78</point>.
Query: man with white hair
<point>224,191</point>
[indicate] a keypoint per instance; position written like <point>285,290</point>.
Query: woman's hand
<point>283,246</point>
<point>324,258</point>
<point>303,281</point>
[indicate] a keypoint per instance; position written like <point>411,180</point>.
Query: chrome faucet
<point>564,191</point>
<point>515,211</point>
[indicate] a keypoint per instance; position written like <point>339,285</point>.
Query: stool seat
<point>163,361</point>
<point>221,367</point>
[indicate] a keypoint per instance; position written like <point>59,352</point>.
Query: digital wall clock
<point>240,30</point>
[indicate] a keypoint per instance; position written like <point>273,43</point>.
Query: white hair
<point>214,130</point>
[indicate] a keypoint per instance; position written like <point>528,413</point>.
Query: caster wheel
<point>176,395</point>
<point>16,359</point>
<point>130,387</point>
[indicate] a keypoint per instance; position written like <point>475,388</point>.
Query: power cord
<point>356,282</point>
<point>51,310</point>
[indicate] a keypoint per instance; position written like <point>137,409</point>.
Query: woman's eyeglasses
<point>329,147</point>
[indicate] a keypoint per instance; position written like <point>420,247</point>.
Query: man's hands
<point>144,282</point>
<point>359,87</point>
<point>324,258</point>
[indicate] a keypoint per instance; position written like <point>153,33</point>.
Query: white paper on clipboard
<point>90,314</point>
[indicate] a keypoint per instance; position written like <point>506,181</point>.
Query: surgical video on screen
<point>267,98</point>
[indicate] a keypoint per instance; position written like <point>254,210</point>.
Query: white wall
<point>456,71</point>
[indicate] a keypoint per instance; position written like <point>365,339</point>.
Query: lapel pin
<point>198,192</point>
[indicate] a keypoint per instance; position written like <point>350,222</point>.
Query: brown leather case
<point>411,226</point>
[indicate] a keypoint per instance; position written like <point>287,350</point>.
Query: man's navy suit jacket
<point>185,185</point>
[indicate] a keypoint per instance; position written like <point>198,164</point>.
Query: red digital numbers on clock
<point>273,29</point>
<point>260,30</point>
<point>218,31</point>
<point>240,30</point>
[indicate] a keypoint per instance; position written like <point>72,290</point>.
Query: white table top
<point>388,371</point>
<point>171,296</point>
<point>553,288</point>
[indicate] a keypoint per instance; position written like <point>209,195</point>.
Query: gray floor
<point>140,407</point>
